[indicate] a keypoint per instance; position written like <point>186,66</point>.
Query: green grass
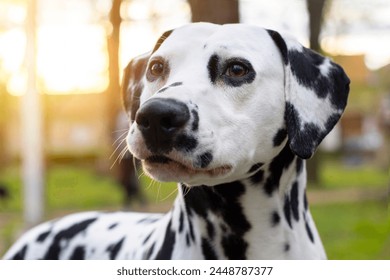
<point>354,230</point>
<point>79,188</point>
<point>335,175</point>
<point>157,192</point>
<point>349,230</point>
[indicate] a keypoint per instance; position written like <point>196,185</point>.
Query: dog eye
<point>156,68</point>
<point>236,70</point>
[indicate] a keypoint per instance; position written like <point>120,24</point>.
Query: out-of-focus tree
<point>113,90</point>
<point>217,11</point>
<point>316,11</point>
<point>124,167</point>
<point>3,127</point>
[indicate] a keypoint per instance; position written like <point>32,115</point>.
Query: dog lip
<point>164,161</point>
<point>158,159</point>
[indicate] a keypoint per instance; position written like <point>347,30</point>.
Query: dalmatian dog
<point>230,112</point>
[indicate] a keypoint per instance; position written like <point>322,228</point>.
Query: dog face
<point>211,102</point>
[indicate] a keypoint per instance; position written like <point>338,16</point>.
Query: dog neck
<point>264,216</point>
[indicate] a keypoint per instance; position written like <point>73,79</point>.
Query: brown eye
<point>236,70</point>
<point>156,68</point>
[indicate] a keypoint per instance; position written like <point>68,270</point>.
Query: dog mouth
<point>157,164</point>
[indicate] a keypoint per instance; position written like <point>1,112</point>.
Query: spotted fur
<point>230,112</point>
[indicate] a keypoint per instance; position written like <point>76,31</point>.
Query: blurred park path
<point>320,197</point>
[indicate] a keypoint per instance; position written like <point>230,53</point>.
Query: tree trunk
<point>123,168</point>
<point>113,97</point>
<point>217,11</point>
<point>315,9</point>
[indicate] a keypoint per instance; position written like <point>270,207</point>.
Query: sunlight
<point>12,45</point>
<point>374,46</point>
<point>72,48</point>
<point>69,59</point>
<point>72,58</point>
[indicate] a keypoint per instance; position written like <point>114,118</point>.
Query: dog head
<point>211,101</point>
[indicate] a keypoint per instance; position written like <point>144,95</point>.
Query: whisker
<point>119,145</point>
<point>120,137</point>
<point>169,195</point>
<point>187,190</point>
<point>120,130</point>
<point>120,156</point>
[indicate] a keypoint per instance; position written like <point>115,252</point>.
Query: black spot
<point>53,253</point>
<point>150,220</point>
<point>113,249</point>
<point>257,177</point>
<point>287,210</point>
<point>233,213</point>
<point>185,143</point>
<point>286,247</point>
<point>181,221</point>
<point>305,203</point>
<point>195,123</point>
<point>162,90</point>
<point>176,84</point>
<point>113,226</point>
<point>210,229</point>
<point>234,247</point>
<point>191,229</point>
<point>309,232</point>
<point>42,237</point>
<point>149,252</point>
<point>223,201</point>
<point>204,159</point>
<point>171,85</point>
<point>281,162</point>
<point>208,251</point>
<point>161,40</point>
<point>147,238</point>
<point>294,202</point>
<point>21,254</point>
<point>302,140</point>
<point>275,218</point>
<point>213,68</point>
<point>78,253</point>
<point>196,199</point>
<point>305,67</point>
<point>280,136</point>
<point>165,252</point>
<point>299,165</point>
<point>255,167</point>
<point>280,43</point>
<point>188,240</point>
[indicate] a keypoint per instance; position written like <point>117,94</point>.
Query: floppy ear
<point>132,81</point>
<point>132,84</point>
<point>316,92</point>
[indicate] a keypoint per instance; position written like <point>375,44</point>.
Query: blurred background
<point>62,125</point>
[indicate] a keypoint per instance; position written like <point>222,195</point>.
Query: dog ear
<point>132,84</point>
<point>316,92</point>
<point>132,81</point>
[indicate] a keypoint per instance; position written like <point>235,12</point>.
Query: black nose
<point>159,120</point>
